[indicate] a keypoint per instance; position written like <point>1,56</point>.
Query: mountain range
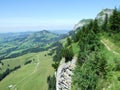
<point>17,44</point>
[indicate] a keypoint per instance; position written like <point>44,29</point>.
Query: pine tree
<point>105,24</point>
<point>95,26</point>
<point>67,53</point>
<point>90,25</point>
<point>69,41</point>
<point>77,36</point>
<point>114,21</point>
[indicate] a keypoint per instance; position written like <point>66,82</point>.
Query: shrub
<point>68,54</point>
<point>27,62</point>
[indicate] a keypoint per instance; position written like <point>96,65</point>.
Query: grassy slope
<point>112,83</point>
<point>75,48</point>
<point>112,53</point>
<point>32,76</point>
<point>16,61</point>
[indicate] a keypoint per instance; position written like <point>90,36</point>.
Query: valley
<point>17,44</point>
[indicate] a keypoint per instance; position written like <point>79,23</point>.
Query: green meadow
<point>32,76</point>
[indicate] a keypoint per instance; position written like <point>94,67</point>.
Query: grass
<point>115,83</point>
<point>112,83</point>
<point>63,41</point>
<point>76,48</point>
<point>16,61</point>
<point>112,45</point>
<point>32,76</point>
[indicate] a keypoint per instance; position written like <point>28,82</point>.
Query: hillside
<point>96,45</point>
<point>32,76</point>
<point>32,67</point>
<point>17,44</point>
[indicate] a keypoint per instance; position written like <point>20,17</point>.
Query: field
<point>32,76</point>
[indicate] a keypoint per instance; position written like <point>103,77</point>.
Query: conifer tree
<point>67,53</point>
<point>68,41</point>
<point>95,26</point>
<point>105,24</point>
<point>114,21</point>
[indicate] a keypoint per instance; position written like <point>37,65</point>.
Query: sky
<point>35,15</point>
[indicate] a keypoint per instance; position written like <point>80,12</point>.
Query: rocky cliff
<point>101,16</point>
<point>64,74</point>
<point>82,23</point>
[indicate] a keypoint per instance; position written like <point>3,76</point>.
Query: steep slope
<point>98,66</point>
<point>103,57</point>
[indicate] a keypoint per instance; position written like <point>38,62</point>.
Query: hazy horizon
<point>35,15</point>
<point>22,31</point>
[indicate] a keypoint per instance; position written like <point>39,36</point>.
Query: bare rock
<point>64,74</point>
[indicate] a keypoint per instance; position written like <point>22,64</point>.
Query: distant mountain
<point>60,31</point>
<point>16,44</point>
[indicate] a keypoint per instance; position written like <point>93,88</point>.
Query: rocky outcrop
<point>101,16</point>
<point>64,74</point>
<point>81,23</point>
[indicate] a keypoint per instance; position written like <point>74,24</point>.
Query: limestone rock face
<point>81,23</point>
<point>64,74</point>
<point>101,16</point>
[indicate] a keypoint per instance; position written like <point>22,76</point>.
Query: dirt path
<point>109,47</point>
<point>38,62</point>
